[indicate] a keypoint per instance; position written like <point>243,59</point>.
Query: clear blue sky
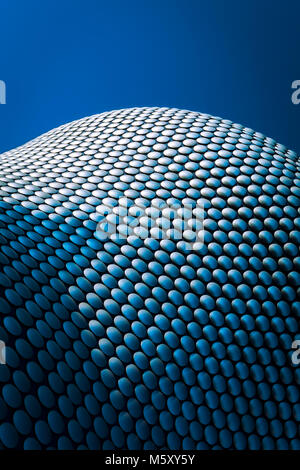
<point>66,59</point>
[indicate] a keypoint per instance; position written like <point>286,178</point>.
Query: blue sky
<point>63,60</point>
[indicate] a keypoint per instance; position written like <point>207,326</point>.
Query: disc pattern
<point>141,344</point>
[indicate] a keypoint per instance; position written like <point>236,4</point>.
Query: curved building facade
<point>158,341</point>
